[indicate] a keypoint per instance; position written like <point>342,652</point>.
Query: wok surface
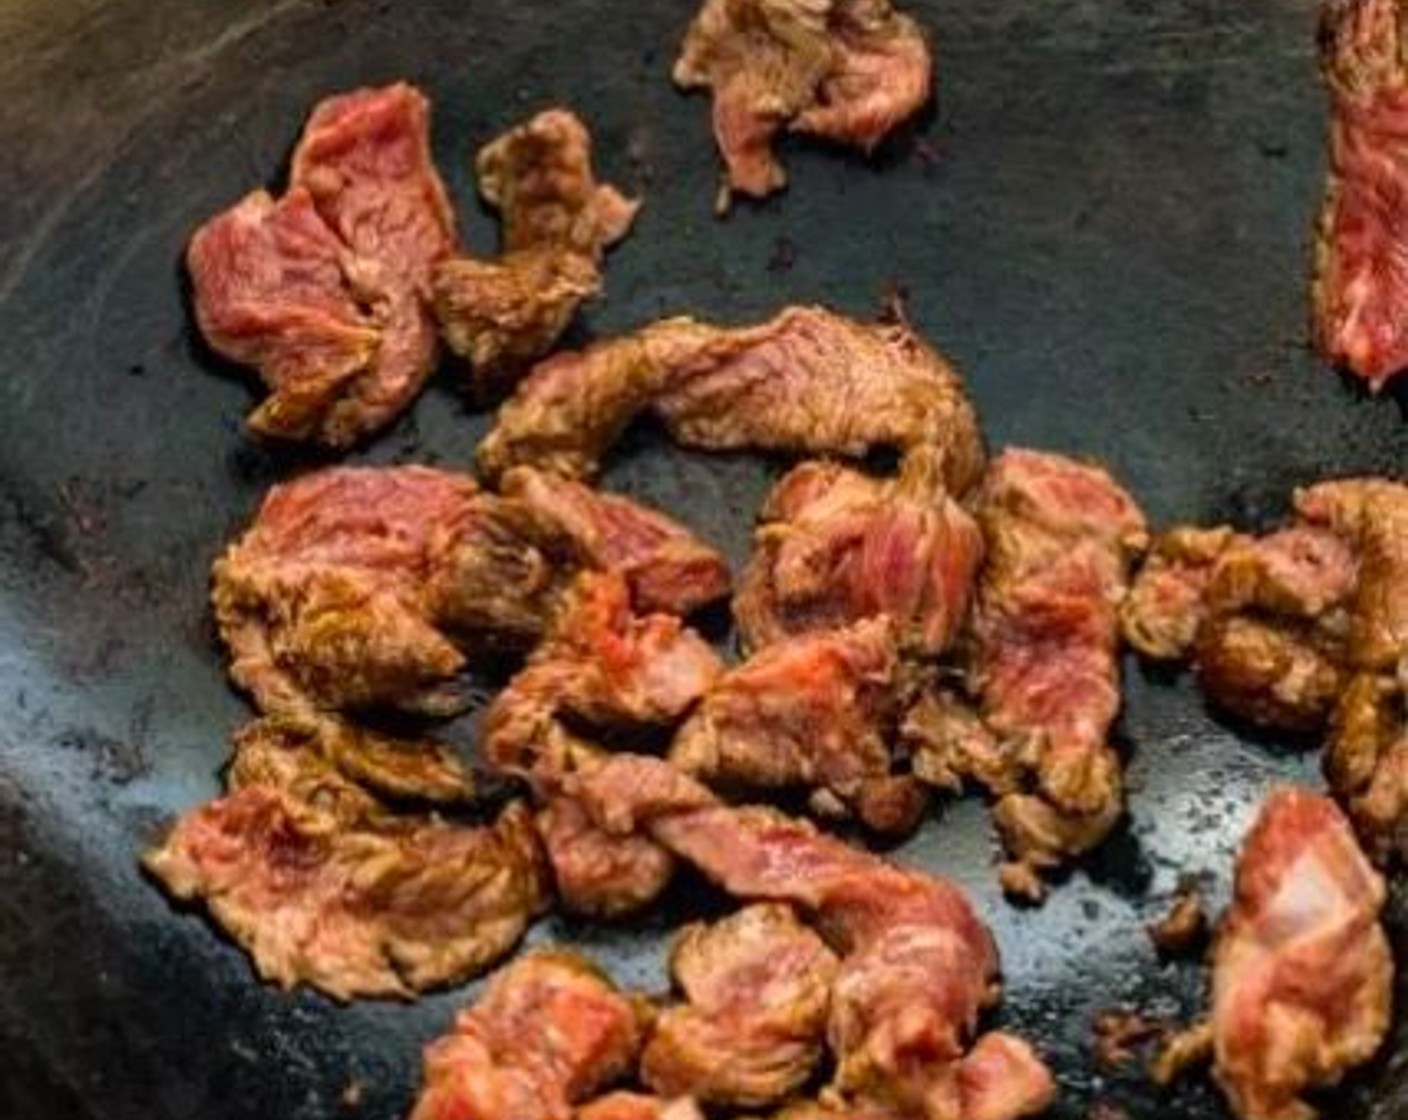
<point>1106,226</point>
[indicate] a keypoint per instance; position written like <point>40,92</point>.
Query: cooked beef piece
<point>376,906</point>
<point>950,745</point>
<point>1270,674</point>
<point>557,223</point>
<point>917,963</point>
<point>1184,926</point>
<point>1302,973</point>
<point>638,1106</point>
<point>757,986</point>
<point>1166,604</point>
<point>837,546</point>
<point>325,291</point>
<point>388,766</point>
<point>816,711</point>
<point>354,587</point>
<point>807,381</point>
<point>1361,276</point>
<point>846,70</point>
<point>548,1032</point>
<point>595,872</point>
<point>1366,762</point>
<point>1060,535</point>
<point>1117,1035</point>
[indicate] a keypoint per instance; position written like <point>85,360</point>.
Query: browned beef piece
<point>1060,537</point>
<point>837,546</point>
<point>1366,763</point>
<point>950,745</point>
<point>325,291</point>
<point>548,1032</point>
<point>337,893</point>
<point>757,987</point>
<point>355,587</point>
<point>557,223</point>
<point>813,712</point>
<point>917,963</point>
<point>1167,602</point>
<point>808,381</point>
<point>595,872</point>
<point>622,1105</point>
<point>846,70</point>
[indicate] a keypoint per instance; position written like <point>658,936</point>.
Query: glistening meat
<point>325,291</point>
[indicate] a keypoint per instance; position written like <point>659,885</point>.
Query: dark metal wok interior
<point>1105,224</point>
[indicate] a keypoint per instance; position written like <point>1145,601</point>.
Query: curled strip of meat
<point>808,380</point>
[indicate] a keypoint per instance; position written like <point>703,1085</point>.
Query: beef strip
<point>807,381</point>
<point>917,964</point>
<point>813,712</point>
<point>1302,973</point>
<point>548,1032</point>
<point>845,70</point>
<point>836,546</point>
<point>335,892</point>
<point>324,291</point>
<point>1360,292</point>
<point>1060,535</point>
<point>757,986</point>
<point>357,587</point>
<point>557,223</point>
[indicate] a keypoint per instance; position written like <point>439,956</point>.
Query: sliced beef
<point>557,223</point>
<point>1302,973</point>
<point>816,712</point>
<point>548,1032</point>
<point>325,291</point>
<point>1060,537</point>
<point>361,587</point>
<point>757,985</point>
<point>808,381</point>
<point>622,1105</point>
<point>349,899</point>
<point>1360,293</point>
<point>837,546</point>
<point>1166,605</point>
<point>949,745</point>
<point>845,70</point>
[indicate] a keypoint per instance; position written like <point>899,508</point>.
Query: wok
<point>1105,224</point>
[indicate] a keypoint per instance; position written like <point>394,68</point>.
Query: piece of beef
<point>557,223</point>
<point>1166,604</point>
<point>949,745</point>
<point>808,381</point>
<point>1360,293</point>
<point>1366,762</point>
<point>812,712</point>
<point>1302,973</point>
<point>1060,536</point>
<point>757,985</point>
<point>325,290</point>
<point>837,546</point>
<point>358,587</point>
<point>596,873</point>
<point>1184,926</point>
<point>622,1105</point>
<point>548,1032</point>
<point>917,963</point>
<point>845,70</point>
<point>354,905</point>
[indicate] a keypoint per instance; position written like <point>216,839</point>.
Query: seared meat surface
<point>356,587</point>
<point>757,986</point>
<point>557,223</point>
<point>813,712</point>
<point>1302,973</point>
<point>808,380</point>
<point>845,70</point>
<point>1166,605</point>
<point>325,291</point>
<point>837,546</point>
<point>548,1032</point>
<point>1360,292</point>
<point>1060,536</point>
<point>622,1105</point>
<point>335,892</point>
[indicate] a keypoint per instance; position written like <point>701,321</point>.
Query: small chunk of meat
<point>557,223</point>
<point>356,587</point>
<point>1184,926</point>
<point>1116,1035</point>
<point>596,873</point>
<point>846,70</point>
<point>1060,536</point>
<point>325,291</point>
<point>1366,763</point>
<point>837,546</point>
<point>548,1032</point>
<point>808,381</point>
<point>638,1106</point>
<point>949,745</point>
<point>1166,605</point>
<point>1360,291</point>
<point>1268,673</point>
<point>382,907</point>
<point>815,711</point>
<point>757,986</point>
<point>1302,973</point>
